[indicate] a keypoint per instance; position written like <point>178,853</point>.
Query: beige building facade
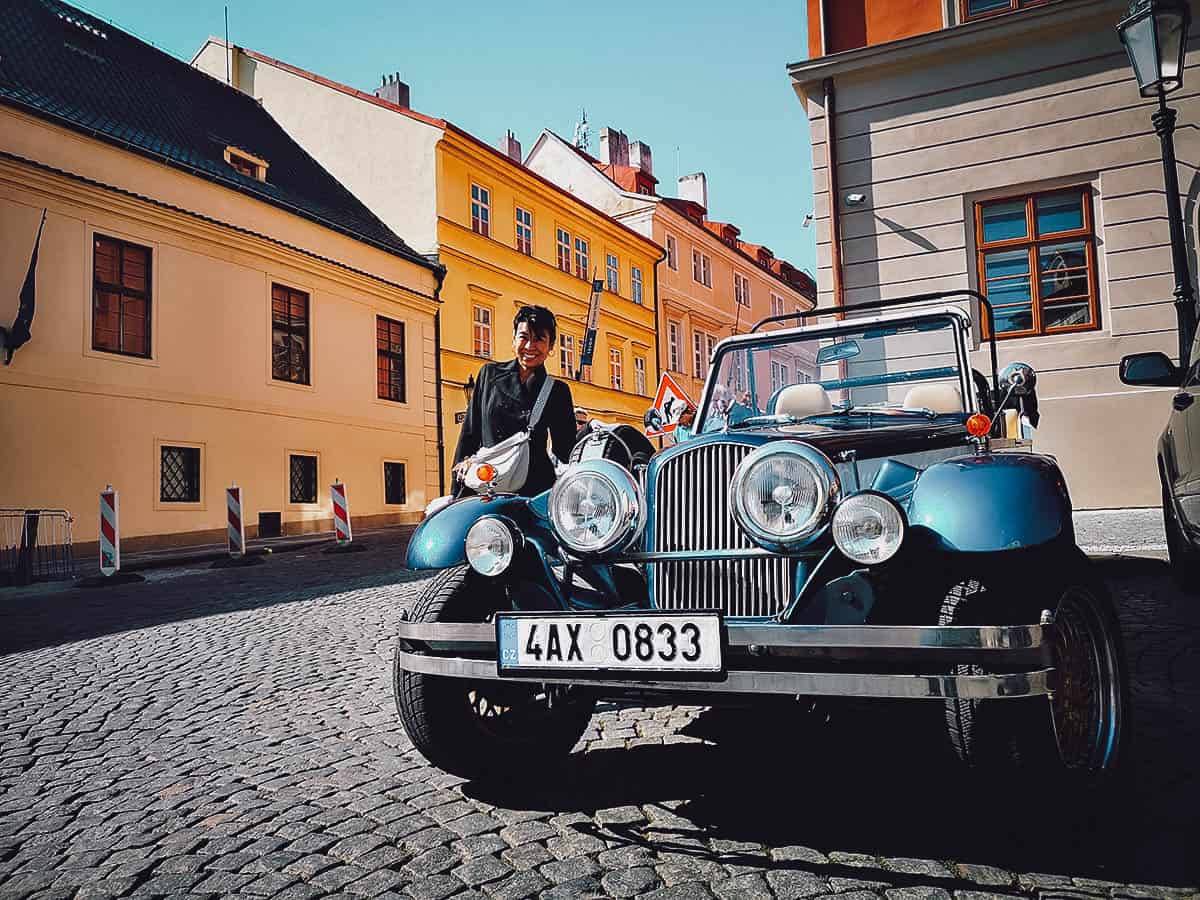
<point>191,332</point>
<point>1008,152</point>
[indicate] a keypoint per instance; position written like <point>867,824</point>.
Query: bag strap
<point>539,405</point>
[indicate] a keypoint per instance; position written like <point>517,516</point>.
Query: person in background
<point>504,395</point>
<point>687,420</point>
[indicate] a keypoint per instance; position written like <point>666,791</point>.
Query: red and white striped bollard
<point>236,529</point>
<point>110,532</point>
<point>341,513</point>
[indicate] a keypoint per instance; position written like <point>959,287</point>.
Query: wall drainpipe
<point>839,296</point>
<point>440,273</point>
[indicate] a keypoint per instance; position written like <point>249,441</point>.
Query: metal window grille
<point>303,478</point>
<point>121,281</point>
<point>179,475</point>
<point>394,489</point>
<point>389,355</point>
<point>289,335</point>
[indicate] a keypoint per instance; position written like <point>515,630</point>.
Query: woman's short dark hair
<point>540,320</point>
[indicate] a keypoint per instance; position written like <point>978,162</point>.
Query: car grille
<point>691,512</point>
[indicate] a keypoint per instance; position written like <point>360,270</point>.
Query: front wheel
<point>1079,731</point>
<point>478,728</point>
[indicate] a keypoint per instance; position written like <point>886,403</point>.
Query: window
<point>179,474</point>
<point>777,305</point>
<point>1037,262</point>
<point>563,237</point>
<point>673,338</point>
<point>616,368</point>
<point>639,374</point>
<point>741,289</point>
<point>701,268</point>
<point>566,355</point>
<point>979,9</point>
<point>635,284</point>
<point>672,253</point>
<point>302,478</point>
<point>779,375</point>
<point>481,210</point>
<point>524,231</point>
<point>389,358</point>
<point>121,297</point>
<point>289,335</point>
<point>482,331</point>
<point>581,258</point>
<point>246,163</point>
<point>395,492</point>
<point>243,165</point>
<point>702,351</point>
<point>802,377</point>
<point>612,273</point>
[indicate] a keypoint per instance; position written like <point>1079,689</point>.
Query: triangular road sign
<point>670,400</point>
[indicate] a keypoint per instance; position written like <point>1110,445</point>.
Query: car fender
<point>440,541</point>
<point>992,502</point>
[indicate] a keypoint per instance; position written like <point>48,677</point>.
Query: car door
<point>1182,444</point>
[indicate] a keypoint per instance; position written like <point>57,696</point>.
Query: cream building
<point>211,305</point>
<point>1002,146</point>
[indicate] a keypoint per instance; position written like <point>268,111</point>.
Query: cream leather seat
<point>800,400</point>
<point>941,398</point>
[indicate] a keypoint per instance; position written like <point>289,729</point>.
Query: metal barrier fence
<point>35,545</point>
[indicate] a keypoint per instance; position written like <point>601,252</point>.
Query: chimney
<point>639,157</point>
<point>694,187</point>
<point>511,147</point>
<point>614,147</point>
<point>393,90</point>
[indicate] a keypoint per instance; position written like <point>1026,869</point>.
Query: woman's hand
<point>460,469</point>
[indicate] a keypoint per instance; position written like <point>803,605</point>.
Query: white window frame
<point>635,282</point>
<point>481,210</point>
<point>674,339</point>
<point>562,242</point>
<point>672,253</point>
<point>481,331</point>
<point>639,374</point>
<point>612,273</point>
<point>741,289</point>
<point>566,355</point>
<point>616,368</point>
<point>524,231</point>
<point>583,257</point>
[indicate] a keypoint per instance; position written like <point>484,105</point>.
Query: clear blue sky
<point>702,76</point>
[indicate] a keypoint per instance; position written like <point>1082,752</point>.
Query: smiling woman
<point>519,397</point>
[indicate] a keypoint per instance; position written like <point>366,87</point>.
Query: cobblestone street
<point>232,732</point>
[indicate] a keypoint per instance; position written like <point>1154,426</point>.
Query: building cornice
<point>958,38</point>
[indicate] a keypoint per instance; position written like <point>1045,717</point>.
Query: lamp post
<point>1155,37</point>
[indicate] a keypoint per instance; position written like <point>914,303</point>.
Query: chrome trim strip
<point>826,684</point>
<point>732,553</point>
<point>869,637</point>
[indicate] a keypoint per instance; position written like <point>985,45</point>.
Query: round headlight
<point>597,506</point>
<point>781,493</point>
<point>491,545</point>
<point>868,527</point>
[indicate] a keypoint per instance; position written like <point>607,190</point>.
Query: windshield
<point>878,374</point>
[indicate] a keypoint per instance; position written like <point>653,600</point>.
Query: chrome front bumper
<point>469,651</point>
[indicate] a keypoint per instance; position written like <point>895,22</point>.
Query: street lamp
<point>1155,37</point>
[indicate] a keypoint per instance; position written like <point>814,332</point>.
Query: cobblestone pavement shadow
<point>232,733</point>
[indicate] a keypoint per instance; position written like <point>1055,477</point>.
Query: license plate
<point>682,643</point>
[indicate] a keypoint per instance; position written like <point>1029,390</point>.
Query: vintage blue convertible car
<point>847,522</point>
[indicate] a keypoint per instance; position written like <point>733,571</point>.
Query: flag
<point>12,338</point>
<point>593,323</point>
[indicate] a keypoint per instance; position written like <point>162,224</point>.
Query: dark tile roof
<point>64,65</point>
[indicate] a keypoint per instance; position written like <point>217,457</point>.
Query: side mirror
<point>1150,370</point>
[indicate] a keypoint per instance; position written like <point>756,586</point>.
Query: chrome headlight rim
<point>846,508</point>
<point>828,487</point>
<point>630,520</point>
<point>506,527</point>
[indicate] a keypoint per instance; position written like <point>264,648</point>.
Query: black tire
<point>477,728</point>
<point>1185,560</point>
<point>1079,734</point>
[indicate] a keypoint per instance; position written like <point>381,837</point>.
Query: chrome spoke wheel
<point>1087,704</point>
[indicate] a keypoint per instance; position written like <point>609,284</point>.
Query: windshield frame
<point>958,321</point>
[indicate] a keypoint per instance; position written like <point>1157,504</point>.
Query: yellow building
<point>209,304</point>
<point>506,235</point>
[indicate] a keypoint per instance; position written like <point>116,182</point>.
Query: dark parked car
<point>1178,456</point>
<point>841,525</point>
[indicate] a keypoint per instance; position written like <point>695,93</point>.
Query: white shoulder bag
<point>510,457</point>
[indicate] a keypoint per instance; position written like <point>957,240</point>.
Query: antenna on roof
<point>581,131</point>
<point>227,53</point>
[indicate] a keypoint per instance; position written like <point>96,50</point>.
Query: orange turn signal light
<point>978,425</point>
<point>486,473</point>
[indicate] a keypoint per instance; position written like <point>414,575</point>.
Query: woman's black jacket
<point>500,407</point>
